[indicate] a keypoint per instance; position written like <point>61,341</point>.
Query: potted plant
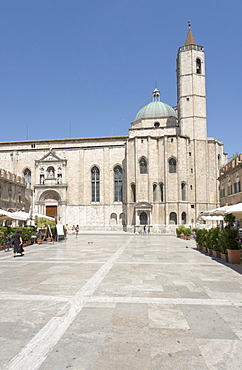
<point>232,245</point>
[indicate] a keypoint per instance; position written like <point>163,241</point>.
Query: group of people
<point>74,230</point>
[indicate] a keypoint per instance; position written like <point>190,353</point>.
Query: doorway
<point>51,211</point>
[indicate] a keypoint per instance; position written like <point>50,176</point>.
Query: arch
<point>143,165</point>
<point>183,190</point>
<point>172,165</point>
<point>155,193</point>
<point>173,218</point>
<point>222,190</point>
<point>95,184</point>
<point>113,219</point>
<point>10,193</point>
<point>143,218</point>
<point>50,195</point>
<point>237,184</point>
<point>27,175</point>
<point>198,66</point>
<point>50,172</point>
<point>184,218</point>
<point>118,184</point>
<point>157,124</point>
<point>122,218</point>
<point>133,193</point>
<point>229,187</point>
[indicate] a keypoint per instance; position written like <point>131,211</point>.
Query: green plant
<point>43,222</point>
<point>180,229</point>
<point>26,232</point>
<point>2,237</point>
<point>201,237</point>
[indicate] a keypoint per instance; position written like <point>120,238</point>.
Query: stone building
<point>230,177</point>
<point>12,191</point>
<point>162,174</point>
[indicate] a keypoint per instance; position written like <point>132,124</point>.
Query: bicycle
<point>7,244</point>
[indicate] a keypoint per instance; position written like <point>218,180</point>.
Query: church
<point>162,174</point>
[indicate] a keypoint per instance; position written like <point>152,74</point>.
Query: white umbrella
<point>211,218</point>
<point>5,215</point>
<point>236,209</point>
<point>219,211</point>
<point>38,215</point>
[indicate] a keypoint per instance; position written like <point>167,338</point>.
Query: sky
<point>75,68</point>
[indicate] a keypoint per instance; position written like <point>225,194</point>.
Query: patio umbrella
<point>5,215</point>
<point>219,211</point>
<point>236,209</point>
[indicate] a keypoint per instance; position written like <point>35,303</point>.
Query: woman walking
<point>18,243</point>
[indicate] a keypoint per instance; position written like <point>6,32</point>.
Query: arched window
<point>229,187</point>
<point>155,193</point>
<point>27,175</point>
<point>1,189</point>
<point>173,218</point>
<point>19,196</point>
<point>198,66</point>
<point>143,165</point>
<point>157,124</point>
<point>183,191</point>
<point>237,184</point>
<point>113,219</point>
<point>95,178</point>
<point>161,192</point>
<point>118,184</point>
<point>10,193</point>
<point>184,218</point>
<point>222,190</point>
<point>143,218</point>
<point>172,165</point>
<point>133,193</point>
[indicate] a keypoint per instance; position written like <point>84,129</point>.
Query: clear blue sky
<point>75,68</point>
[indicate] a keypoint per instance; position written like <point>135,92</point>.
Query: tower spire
<point>190,41</point>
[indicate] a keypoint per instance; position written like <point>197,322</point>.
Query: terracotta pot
<point>49,239</point>
<point>224,257</point>
<point>210,251</point>
<point>39,241</point>
<point>234,255</point>
<point>216,254</point>
<point>205,249</point>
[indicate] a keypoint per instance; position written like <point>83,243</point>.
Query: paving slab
<point>119,301</point>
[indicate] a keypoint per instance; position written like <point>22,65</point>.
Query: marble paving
<point>118,301</point>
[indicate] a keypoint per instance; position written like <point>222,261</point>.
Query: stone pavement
<point>119,302</point>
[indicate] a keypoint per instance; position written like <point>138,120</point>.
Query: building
<point>229,182</point>
<point>12,191</point>
<point>162,174</point>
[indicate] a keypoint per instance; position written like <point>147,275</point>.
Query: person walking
<point>77,230</point>
<point>18,244</point>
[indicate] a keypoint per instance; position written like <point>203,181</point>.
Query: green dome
<point>156,109</point>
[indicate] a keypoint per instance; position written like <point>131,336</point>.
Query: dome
<point>156,109</point>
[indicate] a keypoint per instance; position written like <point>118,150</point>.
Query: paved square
<point>119,301</point>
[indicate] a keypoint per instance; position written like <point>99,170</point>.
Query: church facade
<point>163,173</point>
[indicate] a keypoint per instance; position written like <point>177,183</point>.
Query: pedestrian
<point>144,230</point>
<point>77,230</point>
<point>18,244</point>
<point>73,229</point>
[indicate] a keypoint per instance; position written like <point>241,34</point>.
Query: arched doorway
<point>143,218</point>
<point>49,204</point>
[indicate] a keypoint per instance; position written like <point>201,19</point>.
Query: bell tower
<point>191,89</point>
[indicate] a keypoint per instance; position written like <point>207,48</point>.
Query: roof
<point>156,109</point>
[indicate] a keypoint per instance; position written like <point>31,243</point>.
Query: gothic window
<point>143,218</point>
<point>173,218</point>
<point>184,218</point>
<point>118,184</point>
<point>133,193</point>
<point>237,184</point>
<point>95,178</point>
<point>27,175</point>
<point>222,191</point>
<point>172,165</point>
<point>198,66</point>
<point>143,165</point>
<point>19,197</point>
<point>155,192</point>
<point>183,191</point>
<point>161,192</point>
